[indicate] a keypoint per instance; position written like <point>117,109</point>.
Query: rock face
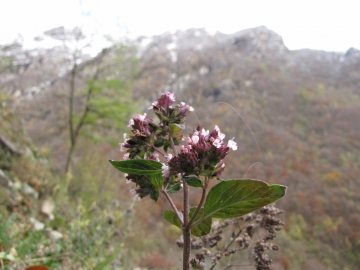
<point>259,42</point>
<point>28,73</point>
<point>352,52</point>
<point>4,179</point>
<point>23,175</point>
<point>4,143</point>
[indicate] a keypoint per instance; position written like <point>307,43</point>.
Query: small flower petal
<point>195,139</point>
<point>168,157</point>
<point>121,147</point>
<point>152,106</point>
<point>217,143</point>
<point>171,96</point>
<point>220,134</point>
<point>131,122</point>
<point>142,117</point>
<point>165,170</point>
<point>204,132</point>
<point>231,144</point>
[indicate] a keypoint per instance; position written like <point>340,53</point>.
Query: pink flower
<point>217,143</point>
<point>165,170</point>
<point>165,100</point>
<point>168,157</point>
<point>195,139</point>
<point>184,109</point>
<point>142,117</point>
<point>220,134</point>
<point>231,144</point>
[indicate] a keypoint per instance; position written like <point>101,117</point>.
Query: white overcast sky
<point>331,25</point>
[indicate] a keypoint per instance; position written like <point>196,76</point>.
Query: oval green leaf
<point>157,180</point>
<point>138,166</point>
<point>235,198</point>
<point>174,188</point>
<point>176,128</point>
<point>193,181</point>
<point>154,195</point>
<point>200,229</point>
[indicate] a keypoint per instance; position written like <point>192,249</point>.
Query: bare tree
<point>96,86</point>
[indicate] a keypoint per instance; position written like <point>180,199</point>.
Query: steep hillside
<point>43,220</point>
<point>26,182</point>
<point>294,115</point>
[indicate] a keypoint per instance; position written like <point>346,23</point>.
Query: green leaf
<point>201,229</point>
<point>161,116</point>
<point>159,142</point>
<point>174,188</point>
<point>235,198</point>
<point>176,128</point>
<point>170,216</point>
<point>138,166</point>
<point>157,180</point>
<point>193,181</point>
<point>154,195</point>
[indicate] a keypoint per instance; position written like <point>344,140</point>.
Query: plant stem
<point>173,145</point>
<point>185,224</point>
<point>173,206</point>
<point>187,248</point>
<point>159,151</point>
<point>186,229</point>
<point>233,239</point>
<point>198,207</point>
<point>203,196</point>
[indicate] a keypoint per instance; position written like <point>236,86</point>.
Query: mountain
<point>294,115</point>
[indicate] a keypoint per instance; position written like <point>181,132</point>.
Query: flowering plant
<point>193,161</point>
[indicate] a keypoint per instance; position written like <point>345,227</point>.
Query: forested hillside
<point>294,115</point>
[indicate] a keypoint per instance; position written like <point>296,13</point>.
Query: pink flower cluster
<point>203,155</point>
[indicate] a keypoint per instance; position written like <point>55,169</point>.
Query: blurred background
<point>281,77</point>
